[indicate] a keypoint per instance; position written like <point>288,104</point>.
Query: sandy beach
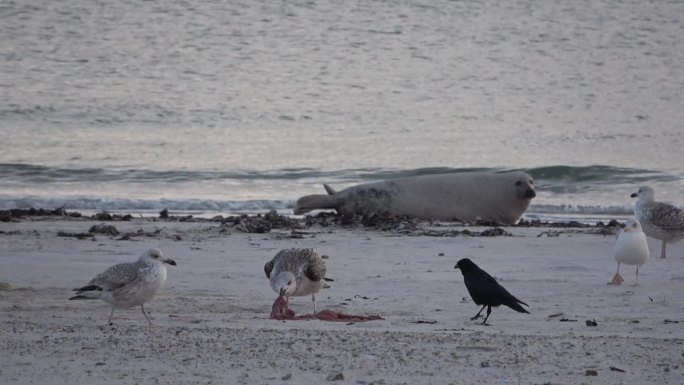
<point>212,326</point>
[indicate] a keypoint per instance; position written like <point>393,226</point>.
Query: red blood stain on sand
<point>281,311</point>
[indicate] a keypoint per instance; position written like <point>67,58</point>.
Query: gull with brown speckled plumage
<point>658,220</point>
<point>296,272</point>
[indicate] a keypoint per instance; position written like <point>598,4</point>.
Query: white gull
<point>127,285</point>
<point>630,248</point>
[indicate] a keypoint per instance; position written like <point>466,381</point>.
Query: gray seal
<point>467,196</point>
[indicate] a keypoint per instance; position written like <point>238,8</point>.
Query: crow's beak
<point>456,267</point>
<point>634,195</point>
<point>170,262</point>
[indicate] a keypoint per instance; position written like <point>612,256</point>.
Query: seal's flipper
<point>329,189</point>
<point>316,201</point>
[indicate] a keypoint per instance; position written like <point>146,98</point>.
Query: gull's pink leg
<point>617,279</point>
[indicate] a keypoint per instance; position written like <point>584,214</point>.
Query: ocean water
<point>243,106</point>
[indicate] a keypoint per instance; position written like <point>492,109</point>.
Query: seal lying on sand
<point>495,197</point>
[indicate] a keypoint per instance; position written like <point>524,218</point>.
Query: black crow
<point>485,291</point>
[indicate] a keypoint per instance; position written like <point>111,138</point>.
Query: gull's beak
<point>169,261</point>
<point>627,229</point>
<point>634,195</point>
<point>282,292</point>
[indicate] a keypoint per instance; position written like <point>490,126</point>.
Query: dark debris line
<point>264,223</point>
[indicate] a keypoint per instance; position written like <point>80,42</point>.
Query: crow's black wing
<point>485,290</point>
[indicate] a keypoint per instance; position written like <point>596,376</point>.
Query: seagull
<point>128,285</point>
<point>485,291</point>
<point>630,248</point>
<point>658,220</point>
<point>296,272</point>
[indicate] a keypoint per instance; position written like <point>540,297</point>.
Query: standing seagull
<point>630,248</point>
<point>485,291</point>
<point>128,285</point>
<point>659,220</point>
<point>296,272</point>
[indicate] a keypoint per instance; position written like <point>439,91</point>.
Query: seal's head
<point>524,186</point>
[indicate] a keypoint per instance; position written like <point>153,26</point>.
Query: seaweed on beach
<point>591,231</point>
<point>149,234</point>
<point>17,214</point>
<point>407,225</point>
<point>105,216</point>
<point>567,225</point>
<point>574,227</point>
<point>491,232</point>
<point>70,234</point>
<point>376,221</point>
<point>9,215</point>
<point>380,221</point>
<point>94,229</point>
<point>323,219</point>
<point>384,221</point>
<point>104,229</point>
<point>261,223</point>
<point>165,216</point>
<point>412,226</point>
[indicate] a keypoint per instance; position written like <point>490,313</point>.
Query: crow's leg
<point>489,311</point>
<point>478,313</point>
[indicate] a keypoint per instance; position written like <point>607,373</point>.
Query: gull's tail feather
<point>88,292</point>
<point>89,288</point>
<point>329,189</point>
